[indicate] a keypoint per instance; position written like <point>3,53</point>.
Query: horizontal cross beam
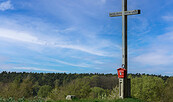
<point>133,12</point>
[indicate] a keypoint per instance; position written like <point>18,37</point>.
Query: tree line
<point>56,86</point>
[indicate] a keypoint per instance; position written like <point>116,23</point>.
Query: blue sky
<point>79,36</point>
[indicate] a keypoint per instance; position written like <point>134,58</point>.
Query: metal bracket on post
<point>123,66</point>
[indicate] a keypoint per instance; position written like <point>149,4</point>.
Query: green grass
<point>79,100</point>
<point>119,100</point>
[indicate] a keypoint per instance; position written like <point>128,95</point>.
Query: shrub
<point>96,92</point>
<point>147,88</point>
<point>168,92</point>
<point>44,91</point>
<point>114,93</point>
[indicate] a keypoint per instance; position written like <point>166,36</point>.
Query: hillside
<point>87,86</point>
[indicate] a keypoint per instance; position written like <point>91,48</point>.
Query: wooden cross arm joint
<point>133,12</point>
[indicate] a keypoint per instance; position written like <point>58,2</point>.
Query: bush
<point>78,87</point>
<point>168,92</point>
<point>147,88</point>
<point>44,91</point>
<point>96,92</point>
<point>114,93</point>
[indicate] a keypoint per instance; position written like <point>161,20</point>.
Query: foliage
<point>79,87</point>
<point>99,87</point>
<point>106,81</point>
<point>21,100</point>
<point>147,88</point>
<point>97,100</point>
<point>26,88</point>
<point>168,91</point>
<point>17,89</point>
<point>97,92</point>
<point>44,91</point>
<point>55,94</point>
<point>114,94</point>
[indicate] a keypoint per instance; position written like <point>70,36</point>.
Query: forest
<point>56,86</point>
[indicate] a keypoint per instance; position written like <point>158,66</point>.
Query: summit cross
<point>124,88</point>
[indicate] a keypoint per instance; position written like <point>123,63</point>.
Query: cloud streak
<point>75,65</point>
<point>37,69</point>
<point>6,5</point>
<point>168,18</point>
<point>154,59</point>
<point>18,35</point>
<point>30,38</point>
<point>159,52</point>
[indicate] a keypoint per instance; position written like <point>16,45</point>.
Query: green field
<point>120,100</point>
<point>84,100</point>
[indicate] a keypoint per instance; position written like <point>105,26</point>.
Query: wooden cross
<point>124,90</point>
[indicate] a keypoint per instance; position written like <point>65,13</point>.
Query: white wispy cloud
<point>3,58</point>
<point>166,37</point>
<point>168,18</point>
<point>37,69</point>
<point>29,38</point>
<point>169,73</point>
<point>154,59</point>
<point>103,1</point>
<point>6,5</point>
<point>6,66</point>
<point>98,62</point>
<point>18,35</point>
<point>159,52</point>
<point>71,64</point>
<point>73,37</point>
<point>83,49</point>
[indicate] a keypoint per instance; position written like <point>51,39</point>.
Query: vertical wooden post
<point>124,34</point>
<point>124,47</point>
